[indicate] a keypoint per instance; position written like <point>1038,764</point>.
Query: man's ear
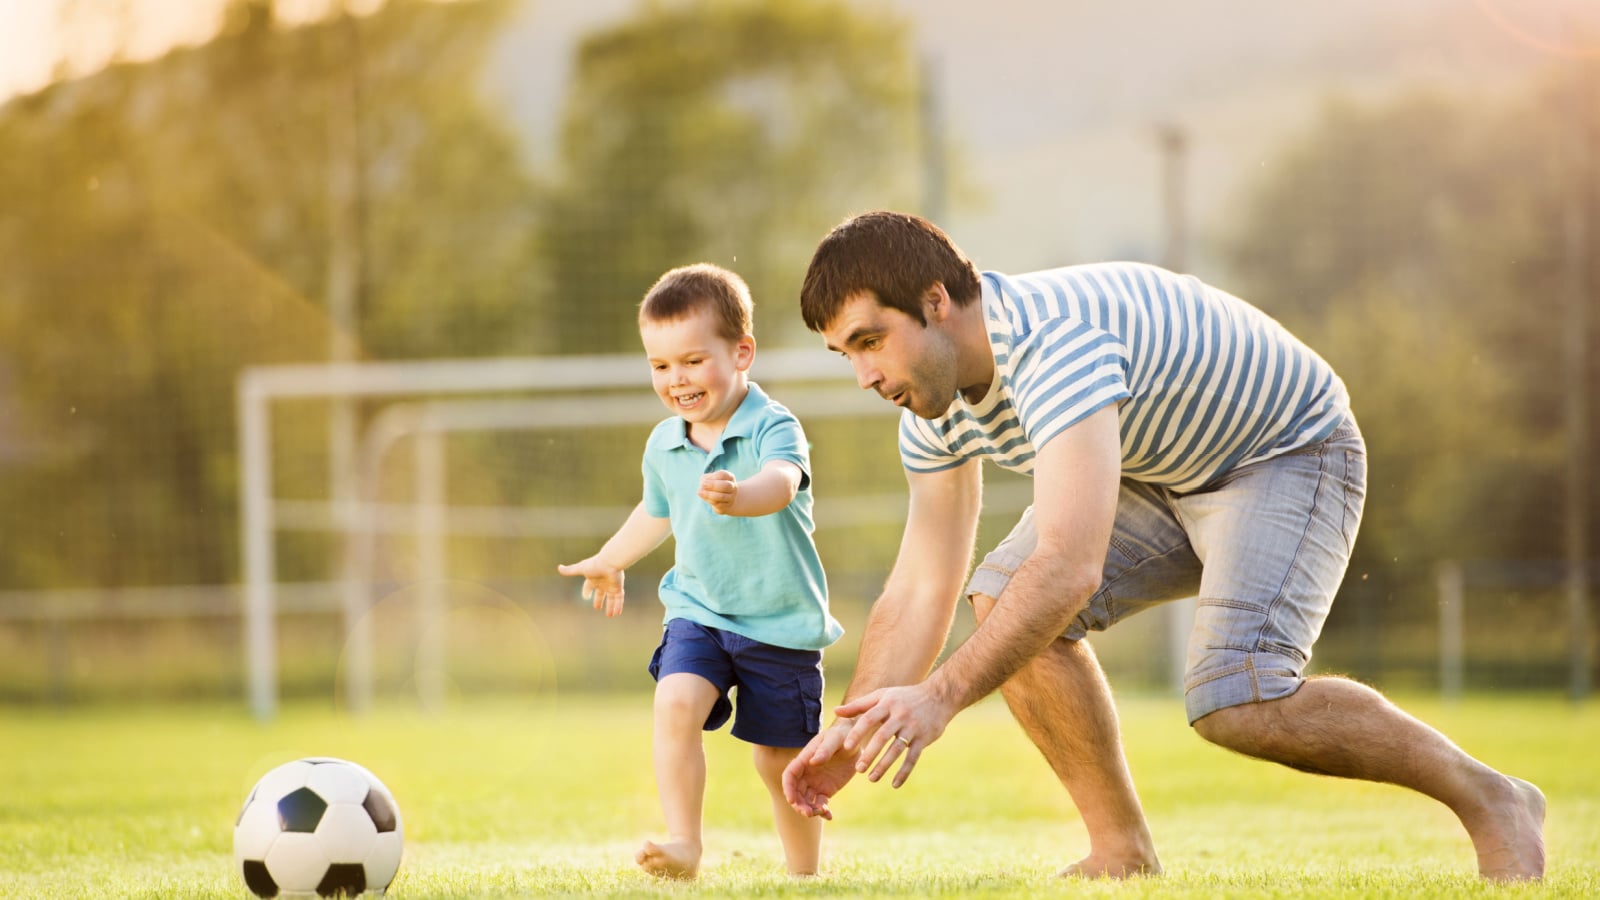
<point>936,302</point>
<point>744,352</point>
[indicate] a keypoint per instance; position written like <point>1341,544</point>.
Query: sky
<point>31,44</point>
<point>1075,175</point>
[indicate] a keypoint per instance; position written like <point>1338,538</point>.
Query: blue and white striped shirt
<point>1205,381</point>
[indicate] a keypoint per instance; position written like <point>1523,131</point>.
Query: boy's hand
<point>602,583</point>
<point>719,489</point>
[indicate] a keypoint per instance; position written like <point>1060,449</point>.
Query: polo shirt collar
<point>741,424</point>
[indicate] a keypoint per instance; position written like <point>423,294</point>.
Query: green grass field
<point>551,796</point>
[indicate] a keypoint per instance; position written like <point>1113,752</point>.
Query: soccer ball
<point>318,826</point>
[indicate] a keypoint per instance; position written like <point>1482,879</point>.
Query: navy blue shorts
<point>780,690</point>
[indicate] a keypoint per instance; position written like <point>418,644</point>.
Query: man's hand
<point>819,771</point>
<point>720,489</point>
<point>602,583</point>
<point>895,721</point>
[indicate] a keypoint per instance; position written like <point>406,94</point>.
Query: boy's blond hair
<point>687,290</point>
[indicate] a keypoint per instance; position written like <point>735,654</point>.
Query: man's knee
<point>1228,727</point>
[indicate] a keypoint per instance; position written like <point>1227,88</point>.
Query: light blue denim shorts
<point>1263,549</point>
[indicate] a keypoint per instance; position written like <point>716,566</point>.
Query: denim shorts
<point>779,689</point>
<point>1263,548</point>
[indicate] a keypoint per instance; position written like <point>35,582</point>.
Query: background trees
<point>1421,245</point>
<point>164,224</point>
<point>732,132</point>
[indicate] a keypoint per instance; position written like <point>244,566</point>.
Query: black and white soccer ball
<point>318,827</point>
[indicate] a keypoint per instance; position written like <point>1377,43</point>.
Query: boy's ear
<point>744,352</point>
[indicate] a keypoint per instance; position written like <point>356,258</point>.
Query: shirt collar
<point>741,424</point>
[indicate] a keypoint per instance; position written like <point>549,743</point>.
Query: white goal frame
<point>557,385</point>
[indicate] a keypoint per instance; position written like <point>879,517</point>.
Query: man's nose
<point>867,376</point>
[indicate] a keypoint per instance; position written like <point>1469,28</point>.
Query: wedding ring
<point>902,739</point>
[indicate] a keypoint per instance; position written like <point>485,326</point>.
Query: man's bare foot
<point>1509,836</point>
<point>673,859</point>
<point>1094,866</point>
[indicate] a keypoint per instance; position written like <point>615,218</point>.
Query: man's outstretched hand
<point>819,771</point>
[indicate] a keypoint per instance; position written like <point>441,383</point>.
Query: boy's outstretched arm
<point>602,572</point>
<point>762,494</point>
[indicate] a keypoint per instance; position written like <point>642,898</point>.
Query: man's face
<point>909,364</point>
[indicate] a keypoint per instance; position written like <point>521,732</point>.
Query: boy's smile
<point>698,373</point>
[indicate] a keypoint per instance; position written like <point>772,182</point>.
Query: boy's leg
<point>780,710</point>
<point>801,835</point>
<point>683,700</point>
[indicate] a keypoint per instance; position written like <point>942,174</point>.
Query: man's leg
<point>1061,698</point>
<point>1275,538</point>
<point>1334,726</point>
<point>1062,701</point>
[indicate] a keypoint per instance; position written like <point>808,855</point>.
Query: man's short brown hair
<point>896,256</point>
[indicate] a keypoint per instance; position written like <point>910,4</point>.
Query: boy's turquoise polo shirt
<point>756,576</point>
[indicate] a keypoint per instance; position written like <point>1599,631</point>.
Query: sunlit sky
<point>1245,76</point>
<point>32,43</point>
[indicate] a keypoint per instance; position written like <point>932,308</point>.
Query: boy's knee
<point>771,761</point>
<point>775,755</point>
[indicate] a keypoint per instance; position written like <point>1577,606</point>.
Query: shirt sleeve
<point>1063,372</point>
<point>784,439</point>
<point>655,493</point>
<point>922,447</point>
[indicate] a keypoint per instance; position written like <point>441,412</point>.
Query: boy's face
<point>696,372</point>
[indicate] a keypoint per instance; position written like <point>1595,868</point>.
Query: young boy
<point>746,600</point>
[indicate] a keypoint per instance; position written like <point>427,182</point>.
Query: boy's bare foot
<point>673,859</point>
<point>1509,836</point>
<point>1095,866</point>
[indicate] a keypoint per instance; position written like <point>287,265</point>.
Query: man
<point>1181,444</point>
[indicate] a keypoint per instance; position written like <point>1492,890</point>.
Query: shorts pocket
<point>1355,494</point>
<point>808,701</point>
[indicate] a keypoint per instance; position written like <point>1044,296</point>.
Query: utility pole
<point>931,118</point>
<point>345,275</point>
<point>1174,143</point>
<point>1575,348</point>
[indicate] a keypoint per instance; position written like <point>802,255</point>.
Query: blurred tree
<point>731,131</point>
<point>1418,246</point>
<point>164,224</point>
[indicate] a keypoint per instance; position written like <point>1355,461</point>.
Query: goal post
<point>553,390</point>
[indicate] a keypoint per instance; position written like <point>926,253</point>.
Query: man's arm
<point>908,625</point>
<point>1076,480</point>
<point>1077,476</point>
<point>910,621</point>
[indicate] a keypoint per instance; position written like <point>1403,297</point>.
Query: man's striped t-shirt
<point>1205,381</point>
